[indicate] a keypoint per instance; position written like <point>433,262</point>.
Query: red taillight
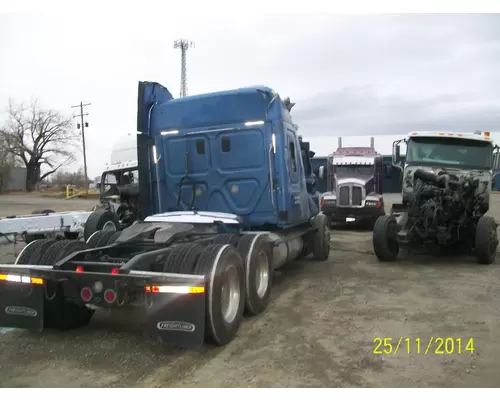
<point>79,268</point>
<point>86,294</point>
<point>115,271</point>
<point>109,295</point>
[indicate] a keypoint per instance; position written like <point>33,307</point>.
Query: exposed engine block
<point>444,207</point>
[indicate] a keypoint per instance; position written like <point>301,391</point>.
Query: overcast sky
<point>349,75</point>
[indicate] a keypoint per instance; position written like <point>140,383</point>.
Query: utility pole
<point>184,45</point>
<point>83,126</point>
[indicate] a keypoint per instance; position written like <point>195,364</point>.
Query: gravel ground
<point>318,331</point>
<point>23,205</point>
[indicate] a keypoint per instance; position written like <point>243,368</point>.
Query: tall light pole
<point>83,126</point>
<point>184,45</point>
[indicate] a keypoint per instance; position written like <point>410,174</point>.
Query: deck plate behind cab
<point>161,232</point>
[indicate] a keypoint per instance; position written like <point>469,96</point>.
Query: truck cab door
<point>294,166</point>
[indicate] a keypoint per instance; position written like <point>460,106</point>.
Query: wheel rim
<point>262,276</point>
<point>230,296</point>
<point>109,226</point>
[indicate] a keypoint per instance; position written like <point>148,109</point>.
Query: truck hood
<point>353,178</point>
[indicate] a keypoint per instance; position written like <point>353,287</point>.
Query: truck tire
<point>257,254</point>
<point>60,312</point>
<point>224,272</point>
<point>114,237</point>
<point>30,238</point>
<point>94,238</point>
<point>100,219</point>
<point>29,250</point>
<point>104,239</point>
<point>321,249</point>
<point>61,249</point>
<point>100,238</point>
<point>385,245</point>
<point>486,240</point>
<point>36,256</point>
<point>183,258</point>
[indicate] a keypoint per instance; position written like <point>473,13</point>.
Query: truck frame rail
<point>42,224</point>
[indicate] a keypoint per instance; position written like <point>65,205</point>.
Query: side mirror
<point>396,153</point>
<point>321,172</point>
<point>496,159</point>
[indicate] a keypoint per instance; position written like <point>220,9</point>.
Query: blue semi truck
<point>227,195</point>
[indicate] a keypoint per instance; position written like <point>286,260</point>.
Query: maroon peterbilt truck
<point>354,177</point>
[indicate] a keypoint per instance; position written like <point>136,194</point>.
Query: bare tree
<point>38,138</point>
<point>63,178</point>
<point>6,164</point>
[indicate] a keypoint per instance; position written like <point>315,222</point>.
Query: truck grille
<point>348,195</point>
<point>356,196</point>
<point>344,196</point>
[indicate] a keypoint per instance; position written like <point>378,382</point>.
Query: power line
<point>83,126</point>
<point>184,45</point>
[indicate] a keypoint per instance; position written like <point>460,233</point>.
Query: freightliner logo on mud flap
<point>23,311</point>
<point>175,326</point>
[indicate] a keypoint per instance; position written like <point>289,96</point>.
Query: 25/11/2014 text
<point>435,345</point>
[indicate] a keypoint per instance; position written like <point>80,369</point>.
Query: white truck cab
<point>461,152</point>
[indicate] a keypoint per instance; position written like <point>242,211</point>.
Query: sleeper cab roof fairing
<point>247,89</point>
<point>213,110</point>
<point>477,135</point>
<point>120,165</point>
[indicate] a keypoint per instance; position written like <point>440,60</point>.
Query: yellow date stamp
<point>433,345</point>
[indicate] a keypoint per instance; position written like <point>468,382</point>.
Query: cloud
<point>360,111</point>
<point>348,74</point>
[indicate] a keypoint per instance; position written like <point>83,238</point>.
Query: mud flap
<point>177,319</point>
<point>22,306</point>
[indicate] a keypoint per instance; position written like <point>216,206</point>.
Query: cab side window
<point>293,156</point>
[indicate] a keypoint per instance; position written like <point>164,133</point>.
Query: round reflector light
<point>109,295</point>
<point>86,294</point>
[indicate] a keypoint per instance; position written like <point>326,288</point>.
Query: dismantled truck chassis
<point>444,215</point>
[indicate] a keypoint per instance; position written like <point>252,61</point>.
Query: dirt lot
<point>318,331</point>
<point>21,205</point>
